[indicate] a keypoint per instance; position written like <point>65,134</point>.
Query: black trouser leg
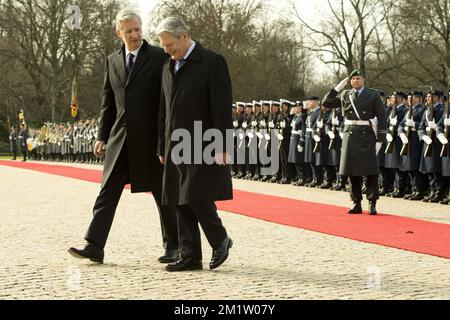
<point>168,220</point>
<point>107,201</point>
<point>189,218</point>
<point>372,188</point>
<point>388,178</point>
<point>442,184</point>
<point>330,173</point>
<point>420,181</point>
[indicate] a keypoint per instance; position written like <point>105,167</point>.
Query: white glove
<point>341,134</point>
<point>241,136</point>
<point>404,138</point>
<point>410,123</point>
<point>271,125</point>
<point>331,135</point>
<point>442,139</point>
<point>320,124</point>
<point>250,135</point>
<point>341,85</point>
<point>267,136</point>
<point>389,137</point>
<point>393,121</point>
<point>280,137</point>
<point>432,125</point>
<point>235,124</point>
<point>335,121</point>
<point>427,140</point>
<point>10,138</point>
<point>259,135</point>
<point>283,124</point>
<point>317,138</point>
<point>262,123</point>
<point>254,123</point>
<point>447,122</point>
<point>244,124</point>
<point>299,148</point>
<point>378,146</point>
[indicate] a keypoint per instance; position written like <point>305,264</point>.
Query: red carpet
<point>386,230</point>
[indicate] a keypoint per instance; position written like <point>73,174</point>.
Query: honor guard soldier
<point>234,114</point>
<point>249,136</point>
<point>23,136</point>
<point>394,144</point>
<point>362,139</point>
<point>412,146</point>
<point>431,161</point>
<point>240,140</point>
<point>387,175</point>
<point>313,114</point>
<point>284,132</point>
<point>274,124</point>
<point>443,134</point>
<point>13,142</point>
<point>335,132</point>
<point>255,140</point>
<point>297,143</point>
<point>264,133</point>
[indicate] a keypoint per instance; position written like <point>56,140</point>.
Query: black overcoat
<point>199,91</point>
<point>129,112</point>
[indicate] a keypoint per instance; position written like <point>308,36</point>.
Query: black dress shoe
<point>445,201</point>
<point>91,252</point>
<point>398,195</point>
<point>185,264</point>
<point>372,208</point>
<point>437,198</point>
<point>417,196</point>
<point>220,254</point>
<point>357,209</point>
<point>429,197</point>
<point>326,185</point>
<point>169,256</point>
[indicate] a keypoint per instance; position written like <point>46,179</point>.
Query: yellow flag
<point>74,100</point>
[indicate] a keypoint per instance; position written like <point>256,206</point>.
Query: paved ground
<point>43,215</point>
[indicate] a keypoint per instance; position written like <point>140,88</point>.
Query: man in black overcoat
<point>127,130</point>
<point>195,94</point>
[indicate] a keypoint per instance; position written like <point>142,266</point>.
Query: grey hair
<point>127,15</point>
<point>174,26</point>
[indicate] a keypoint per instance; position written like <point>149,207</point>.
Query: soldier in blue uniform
<point>412,146</point>
<point>394,144</point>
<point>431,161</point>
<point>297,145</point>
<point>310,158</point>
<point>362,139</point>
<point>443,134</point>
<point>13,142</point>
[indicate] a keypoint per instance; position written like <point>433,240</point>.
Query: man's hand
<point>222,159</point>
<point>341,85</point>
<point>99,148</point>
<point>162,160</point>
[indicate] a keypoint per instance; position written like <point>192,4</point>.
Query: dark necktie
<point>356,94</point>
<point>130,63</point>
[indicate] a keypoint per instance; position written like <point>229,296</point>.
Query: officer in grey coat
<point>360,143</point>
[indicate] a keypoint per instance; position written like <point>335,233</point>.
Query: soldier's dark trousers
<point>189,217</point>
<point>330,173</point>
<point>438,183</point>
<point>388,178</point>
<point>401,178</point>
<point>356,186</point>
<point>24,156</point>
<point>108,199</point>
<point>420,181</point>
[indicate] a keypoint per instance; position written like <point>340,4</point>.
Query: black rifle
<point>392,131</point>
<point>318,131</point>
<point>445,149</point>
<point>429,147</point>
<point>334,129</point>
<point>405,147</point>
